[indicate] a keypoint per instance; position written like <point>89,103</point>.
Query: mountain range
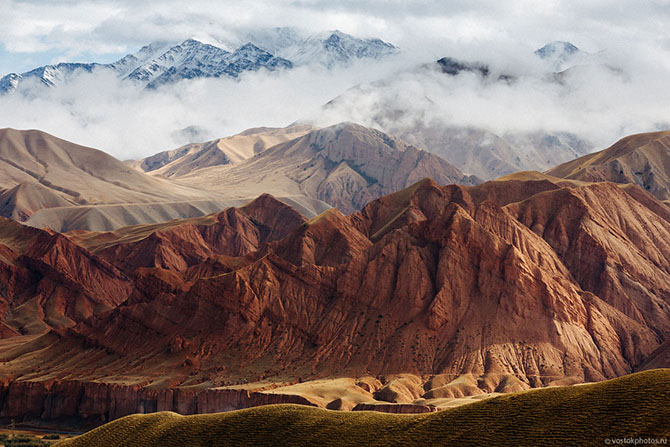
<point>406,266</point>
<point>162,63</point>
<point>418,299</point>
<point>345,165</point>
<point>49,182</point>
<point>477,151</point>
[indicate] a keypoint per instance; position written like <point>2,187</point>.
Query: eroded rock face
<point>97,403</point>
<point>232,232</point>
<point>494,288</point>
<point>50,282</point>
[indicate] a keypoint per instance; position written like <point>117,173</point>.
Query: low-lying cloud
<point>99,110</point>
<point>618,94</point>
<point>128,121</point>
<point>600,102</point>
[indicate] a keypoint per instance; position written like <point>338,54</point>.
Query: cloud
<point>600,102</point>
<point>100,111</point>
<point>106,26</point>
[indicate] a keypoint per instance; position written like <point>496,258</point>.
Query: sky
<point>632,33</point>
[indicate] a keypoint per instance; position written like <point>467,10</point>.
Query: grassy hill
<point>629,407</point>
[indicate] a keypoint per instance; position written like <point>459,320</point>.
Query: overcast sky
<point>36,32</point>
<point>634,35</point>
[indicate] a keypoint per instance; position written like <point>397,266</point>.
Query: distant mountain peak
<point>560,55</point>
<point>557,46</point>
<point>164,62</point>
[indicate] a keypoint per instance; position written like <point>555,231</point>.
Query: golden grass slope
<point>634,406</point>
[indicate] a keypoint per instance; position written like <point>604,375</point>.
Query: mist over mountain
<point>490,108</point>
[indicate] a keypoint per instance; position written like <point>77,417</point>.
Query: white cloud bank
<point>104,112</point>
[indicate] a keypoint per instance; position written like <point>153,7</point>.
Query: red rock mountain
<point>47,281</point>
<point>523,282</point>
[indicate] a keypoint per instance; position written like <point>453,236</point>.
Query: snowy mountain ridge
<point>161,63</point>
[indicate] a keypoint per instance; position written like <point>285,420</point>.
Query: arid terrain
<point>49,182</point>
<point>416,302</point>
<point>334,223</point>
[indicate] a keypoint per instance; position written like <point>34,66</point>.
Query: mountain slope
<point>429,290</point>
<point>39,170</point>
<point>327,49</point>
<point>50,282</point>
<point>488,155</point>
<point>642,159</point>
<point>158,64</point>
<point>234,149</point>
<point>194,59</point>
<point>62,172</point>
<point>49,182</point>
<point>344,165</point>
<point>431,120</point>
<point>585,415</point>
<point>233,232</point>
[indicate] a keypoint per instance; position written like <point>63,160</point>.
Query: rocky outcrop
<point>50,282</point>
<point>90,403</point>
<point>232,232</point>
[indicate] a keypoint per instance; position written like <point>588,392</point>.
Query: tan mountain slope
<point>642,159</point>
<point>49,182</point>
<point>76,174</point>
<point>222,151</point>
<point>346,166</point>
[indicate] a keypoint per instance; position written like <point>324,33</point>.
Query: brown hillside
<point>642,159</point>
<point>222,151</point>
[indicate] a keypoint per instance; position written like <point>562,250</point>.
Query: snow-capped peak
<point>560,55</point>
<point>557,47</point>
<point>327,49</point>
